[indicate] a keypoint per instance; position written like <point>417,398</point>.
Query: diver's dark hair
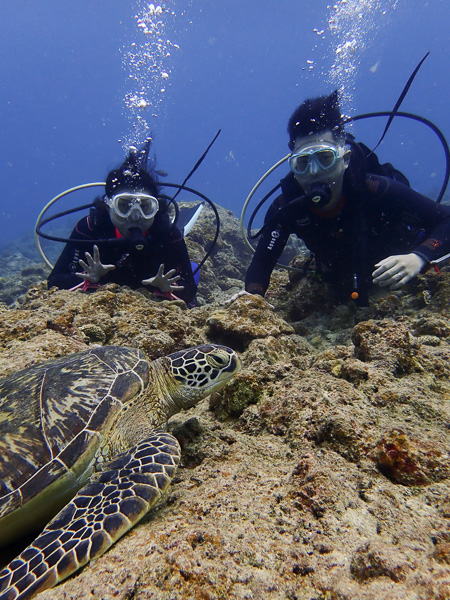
<point>134,173</point>
<point>315,115</point>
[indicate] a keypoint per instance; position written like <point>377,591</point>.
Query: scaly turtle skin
<point>86,427</point>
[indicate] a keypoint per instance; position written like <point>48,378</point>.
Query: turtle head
<point>193,374</point>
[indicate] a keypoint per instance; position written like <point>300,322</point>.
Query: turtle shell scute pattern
<point>50,413</point>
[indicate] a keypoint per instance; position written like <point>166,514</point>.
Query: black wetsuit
<point>387,218</point>
<point>134,260</point>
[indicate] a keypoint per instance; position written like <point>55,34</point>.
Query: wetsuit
<point>363,228</point>
<point>134,260</point>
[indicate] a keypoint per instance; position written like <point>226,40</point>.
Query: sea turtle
<point>91,421</point>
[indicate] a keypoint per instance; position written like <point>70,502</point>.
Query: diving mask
<point>126,204</point>
<point>321,156</point>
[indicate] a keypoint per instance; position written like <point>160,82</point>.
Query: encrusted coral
<point>245,319</point>
<point>387,341</point>
<point>409,460</point>
<point>244,390</point>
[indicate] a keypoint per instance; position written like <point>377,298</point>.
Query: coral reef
<point>320,472</point>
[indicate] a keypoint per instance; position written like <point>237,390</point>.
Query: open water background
<point>80,81</point>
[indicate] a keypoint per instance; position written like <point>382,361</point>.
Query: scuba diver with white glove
<point>361,228</point>
<point>134,242</point>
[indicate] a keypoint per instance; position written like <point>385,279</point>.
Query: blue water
<point>239,66</point>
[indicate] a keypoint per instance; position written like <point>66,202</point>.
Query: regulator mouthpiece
<point>136,238</point>
<point>319,194</point>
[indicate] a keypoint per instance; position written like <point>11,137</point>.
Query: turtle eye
<point>219,361</point>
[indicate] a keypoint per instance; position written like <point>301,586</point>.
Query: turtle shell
<point>53,417</point>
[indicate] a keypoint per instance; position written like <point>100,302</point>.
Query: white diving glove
<point>93,268</point>
<point>395,271</point>
<point>164,282</point>
<point>236,296</point>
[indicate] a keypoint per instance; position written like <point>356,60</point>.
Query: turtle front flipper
<point>101,512</point>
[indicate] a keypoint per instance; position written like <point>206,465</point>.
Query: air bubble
<point>147,62</point>
<point>353,25</point>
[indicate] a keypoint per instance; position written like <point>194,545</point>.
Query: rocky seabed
<point>320,473</point>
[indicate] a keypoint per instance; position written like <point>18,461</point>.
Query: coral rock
<point>245,319</point>
<point>387,341</point>
<point>410,461</point>
<point>375,559</point>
